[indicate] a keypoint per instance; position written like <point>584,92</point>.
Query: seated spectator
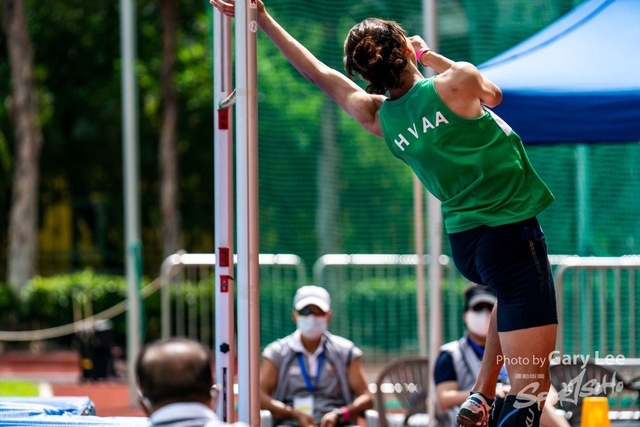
<point>458,363</point>
<point>312,377</point>
<point>175,384</point>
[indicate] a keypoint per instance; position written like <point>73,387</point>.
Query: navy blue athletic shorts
<point>512,260</point>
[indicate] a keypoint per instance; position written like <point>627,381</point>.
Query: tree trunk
<point>23,217</point>
<point>169,189</point>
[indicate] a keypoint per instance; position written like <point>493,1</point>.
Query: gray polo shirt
<point>328,387</point>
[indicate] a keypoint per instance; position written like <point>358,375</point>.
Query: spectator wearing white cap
<point>312,377</point>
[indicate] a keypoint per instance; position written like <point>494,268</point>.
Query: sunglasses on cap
<point>311,309</point>
<point>482,306</point>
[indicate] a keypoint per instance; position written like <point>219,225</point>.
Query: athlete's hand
<point>417,43</point>
<point>227,7</point>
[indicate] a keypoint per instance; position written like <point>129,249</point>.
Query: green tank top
<point>477,168</point>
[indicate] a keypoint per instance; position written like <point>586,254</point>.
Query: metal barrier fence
<point>374,301</point>
<point>597,305</point>
<point>189,277</point>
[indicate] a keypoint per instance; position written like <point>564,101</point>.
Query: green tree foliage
<point>77,56</point>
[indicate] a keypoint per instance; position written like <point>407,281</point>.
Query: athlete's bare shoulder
<point>364,108</point>
<point>462,75</point>
<point>464,89</point>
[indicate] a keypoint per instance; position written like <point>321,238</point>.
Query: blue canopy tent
<point>578,80</point>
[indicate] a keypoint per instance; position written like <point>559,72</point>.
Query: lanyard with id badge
<point>305,404</point>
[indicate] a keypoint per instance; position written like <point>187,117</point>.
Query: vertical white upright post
<point>223,207</point>
<point>247,214</point>
<point>430,29</point>
<point>131,179</point>
<point>435,287</point>
<point>418,236</point>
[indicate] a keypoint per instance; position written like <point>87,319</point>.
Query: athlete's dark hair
<point>376,50</point>
<point>175,370</point>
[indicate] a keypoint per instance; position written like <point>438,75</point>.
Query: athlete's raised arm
<point>348,95</point>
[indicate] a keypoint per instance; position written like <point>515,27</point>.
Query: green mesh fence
<point>326,186</point>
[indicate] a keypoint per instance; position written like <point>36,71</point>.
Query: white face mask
<point>311,326</point>
<point>478,322</point>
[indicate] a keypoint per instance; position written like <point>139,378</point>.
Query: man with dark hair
<point>175,383</point>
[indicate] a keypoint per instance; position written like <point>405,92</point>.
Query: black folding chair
<point>405,380</point>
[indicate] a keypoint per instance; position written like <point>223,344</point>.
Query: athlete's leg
<point>512,259</point>
<point>529,349</point>
<point>527,352</point>
<point>490,367</point>
<point>477,409</point>
<point>530,336</point>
